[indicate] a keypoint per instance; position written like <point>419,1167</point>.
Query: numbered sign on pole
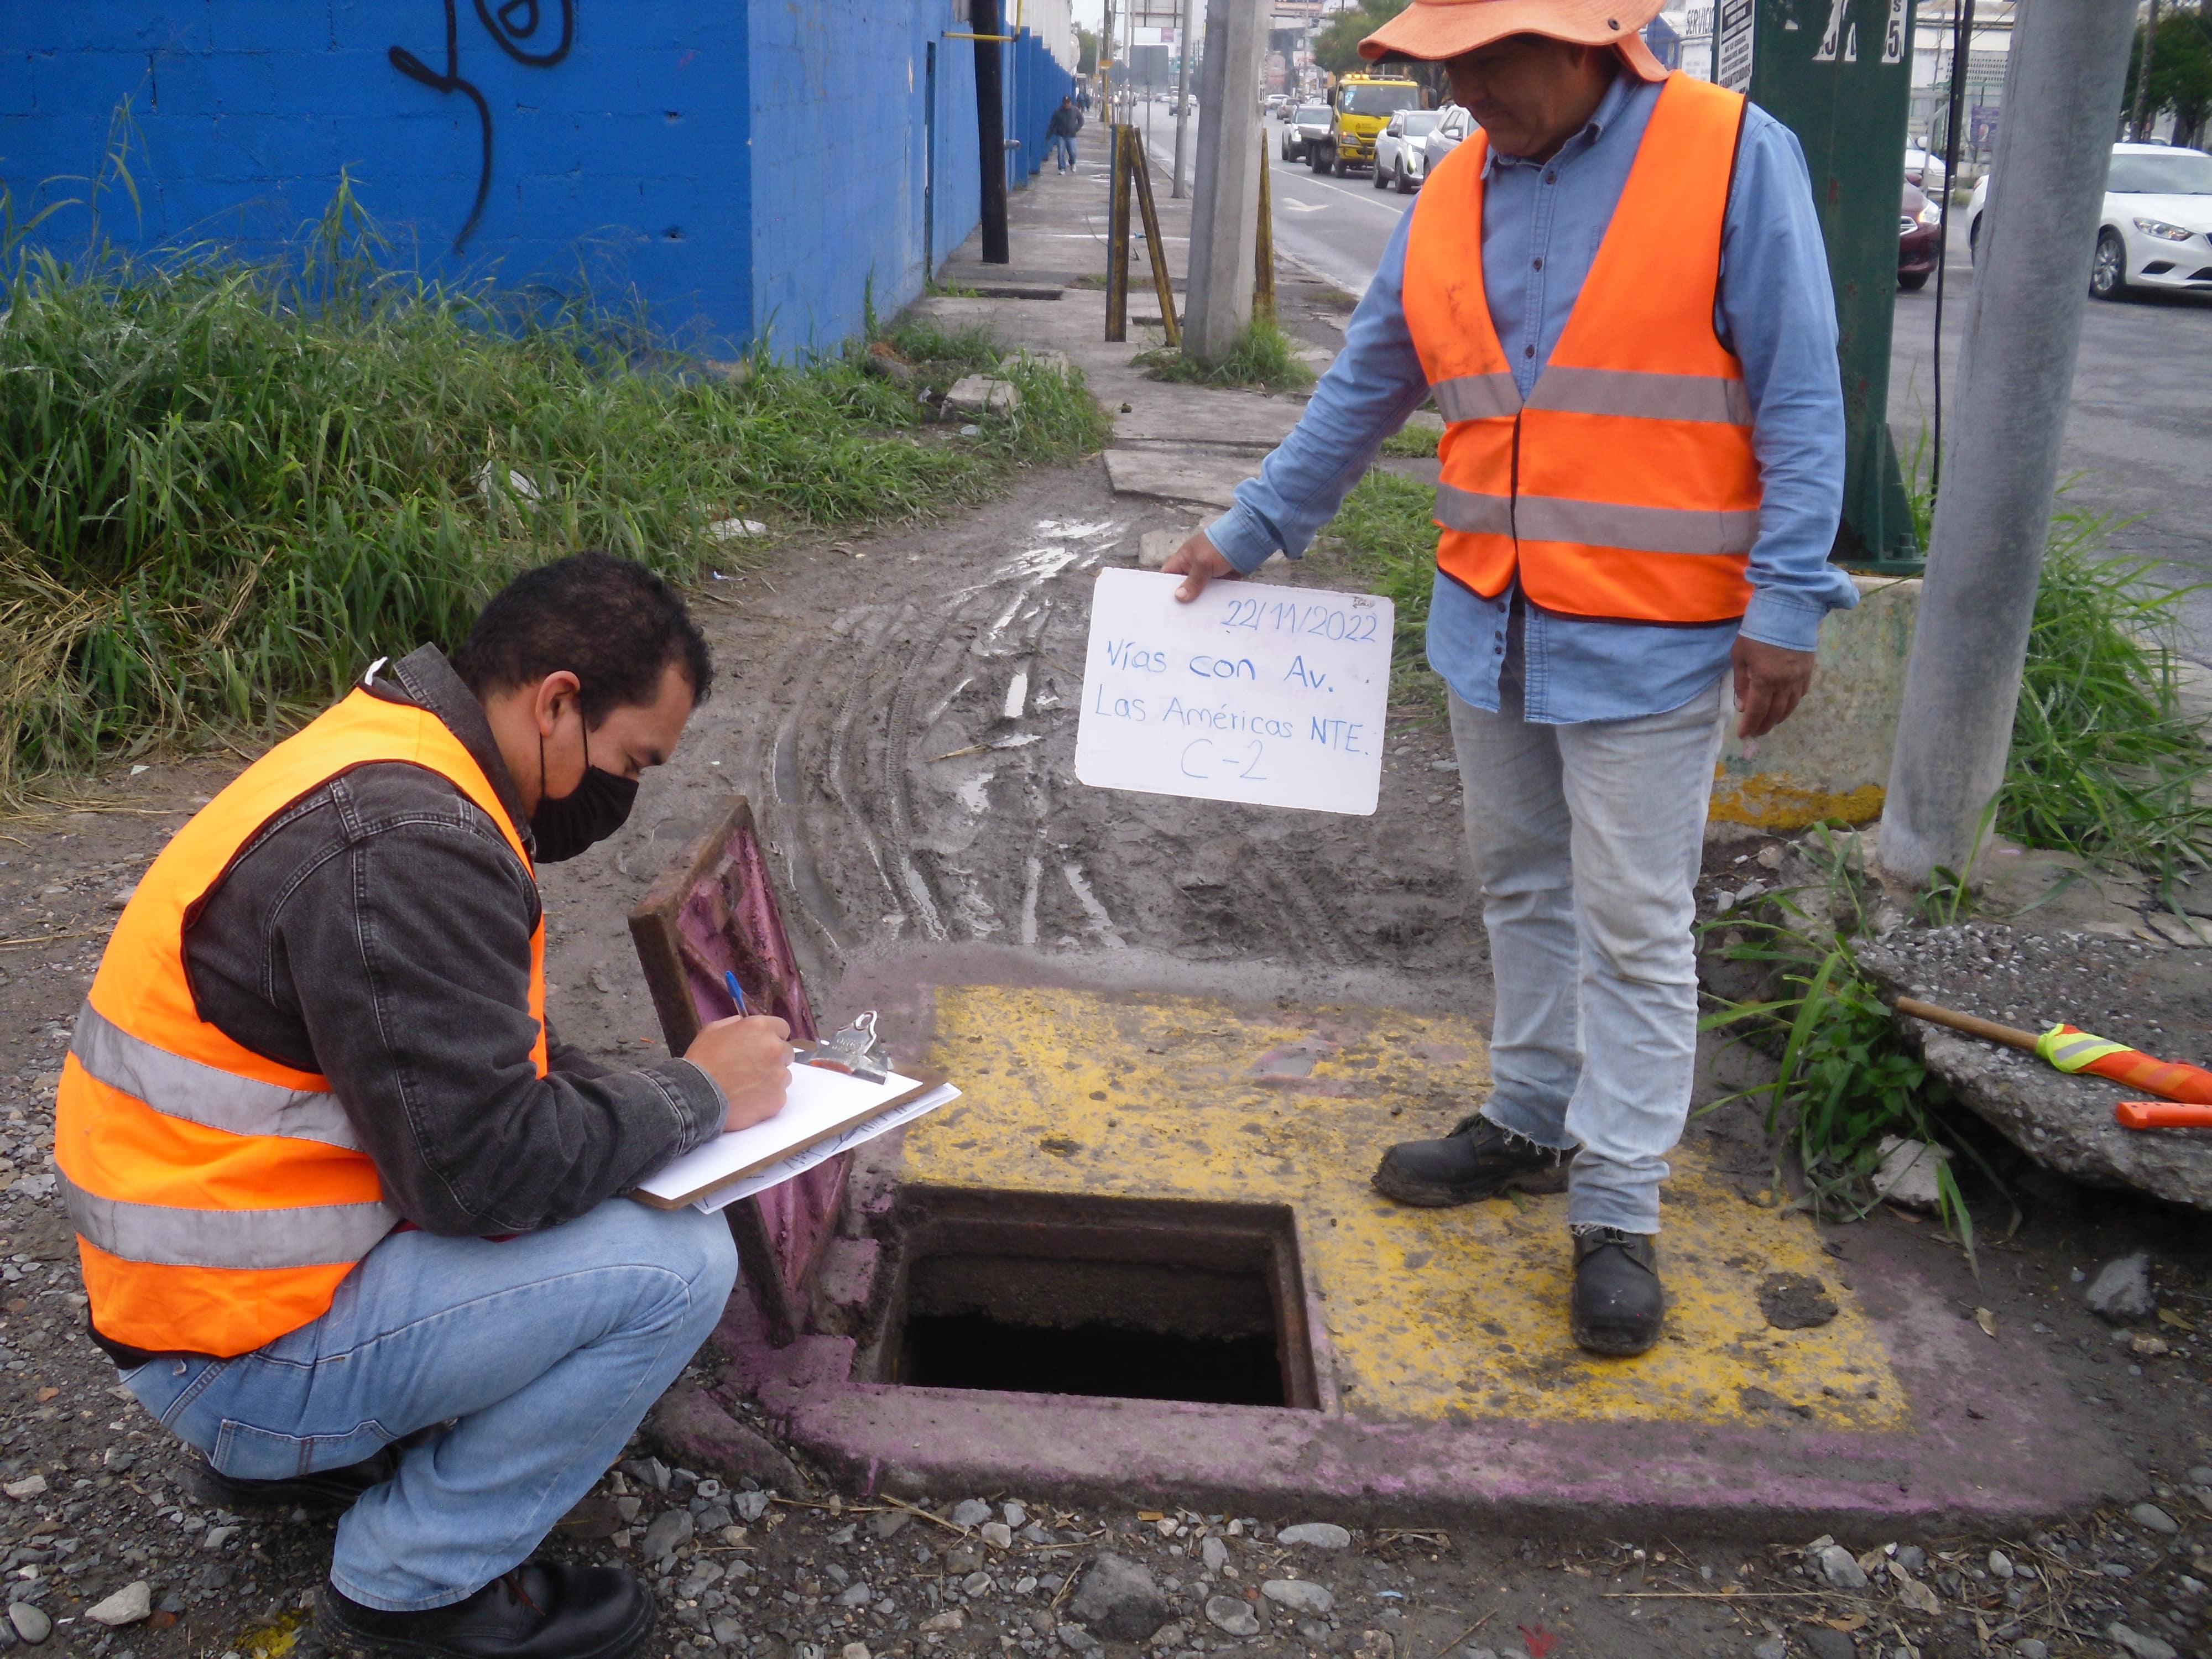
<point>1274,696</point>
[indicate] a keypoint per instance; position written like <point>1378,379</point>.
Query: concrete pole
<point>1224,212</point>
<point>2142,78</point>
<point>1185,39</point>
<point>2069,63</point>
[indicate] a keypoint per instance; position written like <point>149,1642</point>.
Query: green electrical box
<point>1838,74</point>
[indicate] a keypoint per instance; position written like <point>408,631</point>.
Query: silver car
<point>1454,127</point>
<point>1398,149</point>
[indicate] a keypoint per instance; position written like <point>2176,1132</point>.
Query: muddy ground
<point>863,682</point>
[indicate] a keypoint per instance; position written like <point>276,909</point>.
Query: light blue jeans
<point>1064,148</point>
<point>538,1356</point>
<point>1587,840</point>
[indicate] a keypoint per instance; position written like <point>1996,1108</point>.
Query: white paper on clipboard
<point>824,1112</point>
<point>800,1162</point>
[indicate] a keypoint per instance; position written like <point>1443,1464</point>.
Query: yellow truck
<point>1360,106</point>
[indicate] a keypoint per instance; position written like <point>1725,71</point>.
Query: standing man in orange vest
<point>1617,296</point>
<point>348,1215</point>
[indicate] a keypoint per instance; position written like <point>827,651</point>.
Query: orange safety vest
<point>1625,488</point>
<point>218,1195</point>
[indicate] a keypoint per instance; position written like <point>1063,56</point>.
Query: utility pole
<point>2142,78</point>
<point>991,127</point>
<point>1226,202</point>
<point>1185,40</point>
<point>2067,64</point>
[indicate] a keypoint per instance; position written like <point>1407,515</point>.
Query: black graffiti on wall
<point>518,28</point>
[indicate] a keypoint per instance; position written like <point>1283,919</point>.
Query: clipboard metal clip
<point>854,1051</point>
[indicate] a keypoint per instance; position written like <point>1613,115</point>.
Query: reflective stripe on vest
<point>1624,487</point>
<point>2071,1049</point>
<point>220,1196</point>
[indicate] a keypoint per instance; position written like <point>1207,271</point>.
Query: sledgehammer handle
<point>1970,1024</point>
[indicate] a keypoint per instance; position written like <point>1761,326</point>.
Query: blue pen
<point>737,992</point>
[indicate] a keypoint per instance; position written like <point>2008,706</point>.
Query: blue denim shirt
<point>1541,224</point>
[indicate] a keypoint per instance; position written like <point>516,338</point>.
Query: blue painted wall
<point>748,168</point>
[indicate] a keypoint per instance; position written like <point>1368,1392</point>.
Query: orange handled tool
<point>2162,1115</point>
<point>2072,1049</point>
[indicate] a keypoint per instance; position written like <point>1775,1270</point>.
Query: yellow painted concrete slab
<point>1429,1314</point>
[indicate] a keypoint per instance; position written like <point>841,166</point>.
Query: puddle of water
<point>974,795</point>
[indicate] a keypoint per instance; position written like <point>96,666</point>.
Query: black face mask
<point>566,826</point>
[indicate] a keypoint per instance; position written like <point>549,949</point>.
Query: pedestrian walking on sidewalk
<point>350,1215</point>
<point>1618,298</point>
<point>1066,121</point>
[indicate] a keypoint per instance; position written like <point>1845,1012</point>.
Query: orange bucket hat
<point>1435,29</point>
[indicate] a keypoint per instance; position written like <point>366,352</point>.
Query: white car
<point>1400,150</point>
<point>1925,168</point>
<point>2157,228</point>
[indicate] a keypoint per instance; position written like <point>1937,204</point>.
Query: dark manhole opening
<point>1140,1299</point>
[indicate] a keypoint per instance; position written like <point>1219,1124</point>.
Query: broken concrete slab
<point>1907,1173</point>
<point>1219,420</point>
<point>1206,480</point>
<point>980,394</point>
<point>691,1427</point>
<point>2131,991</point>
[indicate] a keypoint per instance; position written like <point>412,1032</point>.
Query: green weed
<point>1412,443</point>
<point>225,487</point>
<point>1263,356</point>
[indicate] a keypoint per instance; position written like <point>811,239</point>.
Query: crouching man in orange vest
<point>1615,293</point>
<point>347,1214</point>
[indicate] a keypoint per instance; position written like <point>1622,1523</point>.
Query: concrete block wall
<point>747,170</point>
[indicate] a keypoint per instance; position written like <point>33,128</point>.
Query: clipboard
<point>734,1156</point>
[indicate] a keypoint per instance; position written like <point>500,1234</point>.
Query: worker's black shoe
<point>327,1492</point>
<point>1618,1305</point>
<point>1477,1159</point>
<point>542,1610</point>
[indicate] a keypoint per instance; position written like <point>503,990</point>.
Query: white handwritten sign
<point>1270,695</point>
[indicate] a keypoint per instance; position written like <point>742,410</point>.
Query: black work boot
<point>542,1610</point>
<point>325,1492</point>
<point>1477,1160</point>
<point>1618,1304</point>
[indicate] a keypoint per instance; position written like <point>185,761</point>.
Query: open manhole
<point>1137,1298</point>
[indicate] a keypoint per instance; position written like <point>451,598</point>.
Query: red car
<point>1919,238</point>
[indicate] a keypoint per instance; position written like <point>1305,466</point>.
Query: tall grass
<point>2103,763</point>
<point>1385,525</point>
<point>1263,356</point>
<point>226,486</point>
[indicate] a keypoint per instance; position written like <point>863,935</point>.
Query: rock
<point>2000,1565</point>
<point>126,1607</point>
<point>1906,1174</point>
<point>750,1505</point>
<point>1911,1556</point>
<point>1837,1566</point>
<point>1824,1643</point>
<point>970,1512</point>
<point>2143,1647</point>
<point>726,1629</point>
<point>1772,1648</point>
<point>1794,1302</point>
<point>1320,1534</point>
<point>997,1534</point>
<point>215,1538</point>
<point>2064,1123</point>
<point>945,1623</point>
<point>2155,1519</point>
<point>977,1584</point>
<point>1317,1632</point>
<point>1156,547</point>
<point>1077,1638</point>
<point>888,1525</point>
<point>688,1426</point>
<point>1013,1514</point>
<point>855,1594</point>
<point>854,1650</point>
<point>26,1489</point>
<point>1053,362</point>
<point>1173,1635</point>
<point>670,1528</point>
<point>1299,1595</point>
<point>1214,1554</point>
<point>1118,1599</point>
<point>980,394</point>
<point>726,530</point>
<point>32,1625</point>
<point>1228,1615</point>
<point>962,1561</point>
<point>2121,1290</point>
<point>1374,1644</point>
<point>2029,1647</point>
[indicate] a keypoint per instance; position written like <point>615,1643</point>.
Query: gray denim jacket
<point>377,931</point>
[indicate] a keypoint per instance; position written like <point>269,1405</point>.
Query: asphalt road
<point>2139,427</point>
